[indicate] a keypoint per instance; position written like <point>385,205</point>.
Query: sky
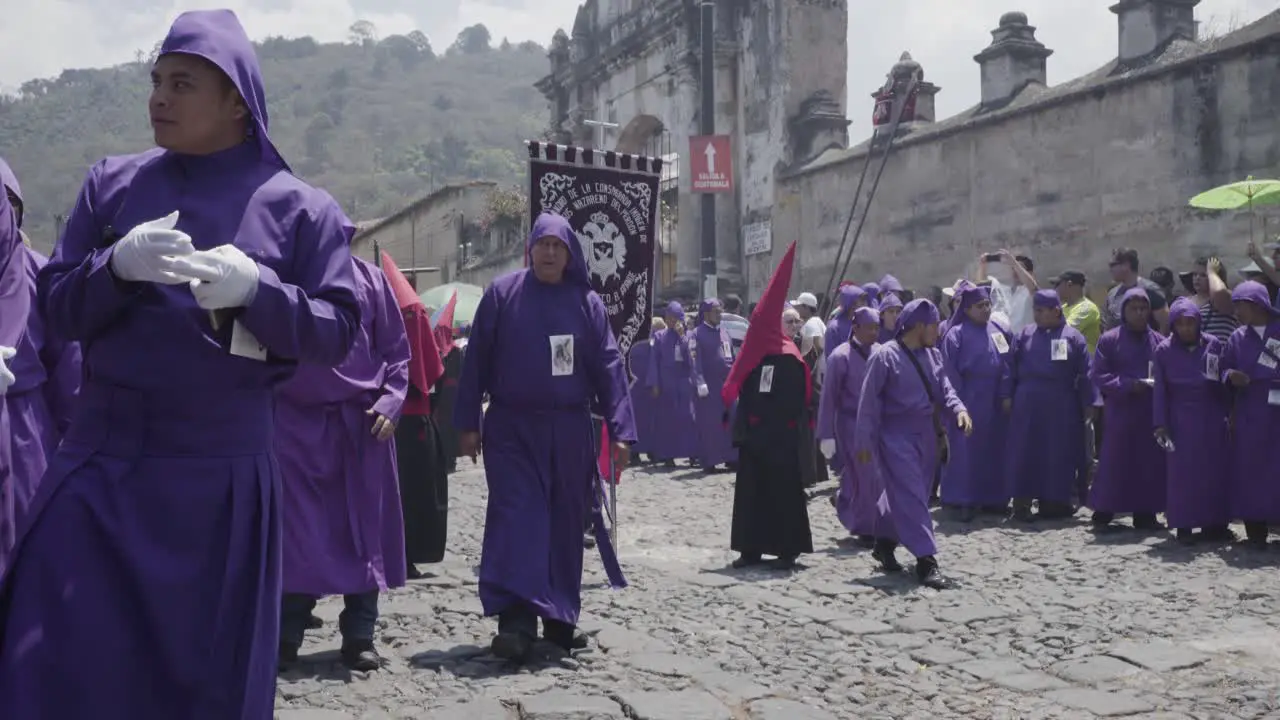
<point>44,37</point>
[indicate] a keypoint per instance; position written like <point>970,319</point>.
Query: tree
<point>473,40</point>
<point>421,41</point>
<point>363,33</point>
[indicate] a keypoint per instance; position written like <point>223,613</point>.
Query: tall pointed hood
<point>444,325</point>
<point>425,366</point>
<point>218,36</point>
<point>764,335</point>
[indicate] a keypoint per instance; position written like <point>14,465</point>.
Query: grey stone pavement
<point>1048,621</point>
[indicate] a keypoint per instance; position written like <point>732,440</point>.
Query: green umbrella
<point>468,298</point>
<point>1241,195</point>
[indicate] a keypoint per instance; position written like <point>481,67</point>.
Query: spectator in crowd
<point>1164,278</point>
<point>1124,270</point>
<point>1081,312</point>
<point>1206,285</point>
<point>1020,293</point>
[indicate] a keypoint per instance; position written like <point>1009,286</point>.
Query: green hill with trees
<point>377,122</point>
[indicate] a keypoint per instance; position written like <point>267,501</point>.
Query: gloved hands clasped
<point>221,278</point>
<point>7,378</point>
<point>157,252</point>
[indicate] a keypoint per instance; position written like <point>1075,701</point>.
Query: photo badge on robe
<point>611,201</point>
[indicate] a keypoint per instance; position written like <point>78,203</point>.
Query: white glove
<point>702,391</point>
<point>827,448</point>
<point>147,253</point>
<point>223,277</point>
<point>7,378</point>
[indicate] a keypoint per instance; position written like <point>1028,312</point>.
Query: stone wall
<point>1064,174</point>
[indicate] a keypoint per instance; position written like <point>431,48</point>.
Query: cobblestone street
<point>1048,621</point>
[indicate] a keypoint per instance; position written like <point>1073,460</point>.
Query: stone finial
<point>1014,59</point>
<point>1146,27</point>
<point>917,109</point>
<point>820,124</point>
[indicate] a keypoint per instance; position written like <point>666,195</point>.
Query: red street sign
<point>711,164</point>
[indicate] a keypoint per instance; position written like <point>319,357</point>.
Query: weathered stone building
<point>1064,172</point>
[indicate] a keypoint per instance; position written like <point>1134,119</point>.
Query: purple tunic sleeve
<point>1084,370</point>
<point>951,358</point>
<point>1104,374</point>
<point>654,379</point>
<point>1159,397</point>
<point>15,290</point>
<point>832,390</point>
<point>79,295</point>
<point>1009,378</point>
<point>699,353</point>
<point>317,318</point>
<point>393,347</point>
<point>1231,352</point>
<point>866,434</point>
<point>474,380</point>
<point>609,375</point>
<point>949,396</point>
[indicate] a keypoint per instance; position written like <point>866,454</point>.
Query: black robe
<point>770,506</point>
<point>424,488</point>
<point>442,402</point>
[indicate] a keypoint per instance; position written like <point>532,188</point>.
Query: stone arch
<point>636,135</point>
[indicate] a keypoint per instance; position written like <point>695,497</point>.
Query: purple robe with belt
<point>39,407</point>
<point>1254,492</point>
<point>539,453</point>
<point>156,531</point>
<point>343,525</point>
<point>642,401</point>
<point>675,431</point>
<point>837,420</point>
<point>977,363</point>
<point>1131,466</point>
<point>895,423</point>
<point>711,359</point>
<point>1191,404</point>
<point>1045,448</point>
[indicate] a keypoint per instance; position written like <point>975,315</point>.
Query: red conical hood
<point>406,297</point>
<point>764,335</point>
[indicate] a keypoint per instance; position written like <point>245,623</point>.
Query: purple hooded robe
<point>39,404</point>
<point>888,332</point>
<point>1255,351</point>
<point>1192,405</point>
<point>896,425</point>
<point>675,430</point>
<point>841,325</point>
<point>711,358</point>
<point>976,359</point>
<point>15,307</point>
<point>539,454</point>
<point>1049,385</point>
<point>1131,466</point>
<point>642,400</point>
<point>837,420</point>
<point>343,526</point>
<point>156,530</point>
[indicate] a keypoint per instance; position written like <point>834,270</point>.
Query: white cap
<point>806,299</point>
<point>949,292</point>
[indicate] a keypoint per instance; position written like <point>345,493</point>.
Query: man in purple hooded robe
<point>15,307</point>
<point>900,437</point>
<point>837,421</point>
<point>1189,402</point>
<point>711,358</point>
<point>156,531</point>
<point>890,310</point>
<point>1131,466</point>
<point>975,354</point>
<point>1251,365</point>
<point>642,401</point>
<point>1048,396</point>
<point>675,430</point>
<point>343,524</point>
<point>542,350</point>
<point>851,298</point>
<point>39,404</point>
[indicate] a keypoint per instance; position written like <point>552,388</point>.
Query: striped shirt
<point>1215,323</point>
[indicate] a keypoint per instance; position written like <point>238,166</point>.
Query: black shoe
<point>563,635</point>
<point>287,656</point>
<point>314,623</point>
<point>747,560</point>
<point>966,514</point>
<point>866,541</point>
<point>513,646</point>
<point>1256,534</point>
<point>994,510</point>
<point>883,553</point>
<point>1217,533</point>
<point>589,541</point>
<point>929,575</point>
<point>360,655</point>
<point>1056,511</point>
<point>414,573</point>
<point>785,563</point>
<point>1102,521</point>
<point>1146,522</point>
<point>1185,536</point>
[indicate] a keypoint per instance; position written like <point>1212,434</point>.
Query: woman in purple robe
<point>1048,395</point>
<point>1131,466</point>
<point>1251,365</point>
<point>975,355</point>
<point>900,437</point>
<point>1190,410</point>
<point>639,359</point>
<point>343,525</point>
<point>890,308</point>
<point>851,298</point>
<point>712,357</point>
<point>675,431</point>
<point>156,531</point>
<point>539,451</point>
<point>39,403</point>
<point>837,421</point>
